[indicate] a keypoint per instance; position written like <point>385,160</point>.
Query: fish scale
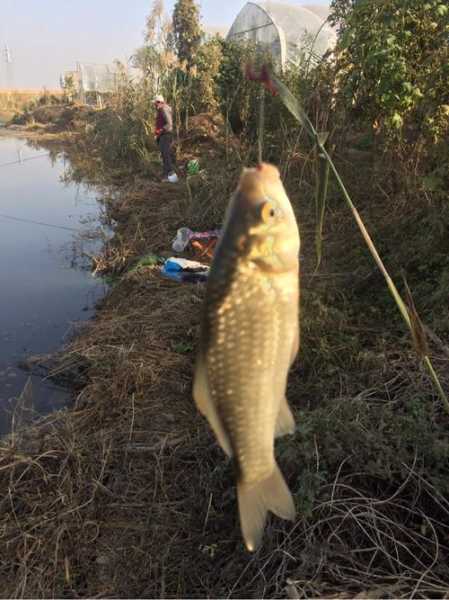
<point>259,347</point>
<point>249,338</point>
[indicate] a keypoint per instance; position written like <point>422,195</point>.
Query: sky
<point>48,37</point>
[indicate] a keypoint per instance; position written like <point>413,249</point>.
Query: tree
<point>392,75</point>
<point>340,12</point>
<point>187,31</point>
<point>393,62</point>
<point>69,86</point>
<point>156,59</point>
<point>204,88</point>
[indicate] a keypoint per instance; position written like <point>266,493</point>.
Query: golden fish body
<point>249,338</point>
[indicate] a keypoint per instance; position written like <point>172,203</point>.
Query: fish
<point>249,338</point>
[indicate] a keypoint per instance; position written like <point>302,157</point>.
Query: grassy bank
<point>128,495</point>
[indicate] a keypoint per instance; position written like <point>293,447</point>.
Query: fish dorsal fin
<point>206,405</point>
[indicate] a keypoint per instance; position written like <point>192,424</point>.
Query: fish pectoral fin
<point>295,346</point>
<point>285,422</point>
<point>255,500</point>
<point>206,405</point>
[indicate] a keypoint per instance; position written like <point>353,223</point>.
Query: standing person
<point>164,137</point>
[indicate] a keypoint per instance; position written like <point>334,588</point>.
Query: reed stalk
<point>294,106</point>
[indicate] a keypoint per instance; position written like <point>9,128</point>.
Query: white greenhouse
<point>286,30</point>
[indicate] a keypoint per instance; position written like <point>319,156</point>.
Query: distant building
<point>286,30</point>
<point>97,78</point>
<point>92,80</point>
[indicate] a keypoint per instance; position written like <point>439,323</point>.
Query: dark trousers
<point>165,142</point>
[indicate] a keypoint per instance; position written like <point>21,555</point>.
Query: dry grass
<point>16,99</point>
<point>13,101</point>
<point>127,494</point>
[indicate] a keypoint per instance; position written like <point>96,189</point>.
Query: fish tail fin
<point>255,500</point>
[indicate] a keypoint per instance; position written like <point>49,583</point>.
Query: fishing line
<point>30,221</point>
<point>38,223</point>
<point>261,125</point>
<point>17,162</point>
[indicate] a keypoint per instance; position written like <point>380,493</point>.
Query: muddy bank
<point>128,495</point>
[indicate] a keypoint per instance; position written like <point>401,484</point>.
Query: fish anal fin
<point>285,422</point>
<point>206,405</point>
<point>256,499</point>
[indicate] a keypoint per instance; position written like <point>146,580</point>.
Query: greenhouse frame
<point>286,30</point>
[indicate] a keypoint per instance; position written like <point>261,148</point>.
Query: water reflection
<point>48,230</point>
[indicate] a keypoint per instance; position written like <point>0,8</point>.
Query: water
<point>46,288</point>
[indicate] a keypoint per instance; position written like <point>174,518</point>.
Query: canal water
<point>47,230</point>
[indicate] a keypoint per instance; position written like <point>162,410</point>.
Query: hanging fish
<point>249,339</point>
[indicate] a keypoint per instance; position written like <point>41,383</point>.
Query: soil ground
<point>128,495</point>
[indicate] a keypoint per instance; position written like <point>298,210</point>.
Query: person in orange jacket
<point>164,136</point>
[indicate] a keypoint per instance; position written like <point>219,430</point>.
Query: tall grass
<point>407,310</point>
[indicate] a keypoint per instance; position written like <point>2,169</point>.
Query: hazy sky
<point>47,37</point>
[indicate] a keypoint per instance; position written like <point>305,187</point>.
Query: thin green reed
<point>293,105</point>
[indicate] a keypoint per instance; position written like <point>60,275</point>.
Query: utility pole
<point>8,65</point>
<point>7,54</point>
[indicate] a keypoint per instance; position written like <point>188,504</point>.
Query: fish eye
<point>268,212</point>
